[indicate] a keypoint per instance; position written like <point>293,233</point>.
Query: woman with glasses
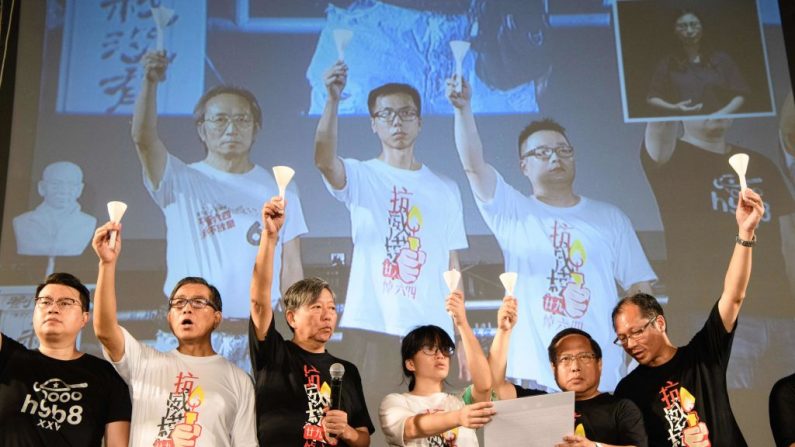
<point>185,397</point>
<point>427,415</point>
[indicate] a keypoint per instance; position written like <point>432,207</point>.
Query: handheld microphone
<point>336,371</point>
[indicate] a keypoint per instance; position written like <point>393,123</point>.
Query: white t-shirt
<point>568,261</point>
<point>399,214</point>
<point>397,407</point>
<point>169,388</point>
<point>213,227</point>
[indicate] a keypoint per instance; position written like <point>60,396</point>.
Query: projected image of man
<point>569,251</point>
<point>406,224</point>
<point>212,206</point>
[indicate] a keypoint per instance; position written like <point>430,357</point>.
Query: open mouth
<point>186,322</point>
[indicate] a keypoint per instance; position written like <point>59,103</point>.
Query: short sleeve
<point>163,194</point>
<point>266,352</point>
<point>782,411</point>
<point>133,359</point>
<point>7,349</point>
<point>631,266</point>
<point>735,82</point>
<point>393,414</point>
<point>119,403</point>
<point>660,87</point>
<point>350,192</point>
<point>360,416</point>
<point>713,341</point>
<point>630,424</point>
<point>244,430</point>
<point>502,208</point>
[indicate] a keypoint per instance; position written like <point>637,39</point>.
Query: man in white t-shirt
<point>185,397</point>
<point>406,223</point>
<point>569,251</point>
<point>212,207</point>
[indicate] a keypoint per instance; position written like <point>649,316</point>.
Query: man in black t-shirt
<point>782,411</point>
<point>57,395</point>
<point>292,377</point>
<point>600,419</point>
<point>682,391</point>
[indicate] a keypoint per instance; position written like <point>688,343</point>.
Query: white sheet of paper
<point>535,421</point>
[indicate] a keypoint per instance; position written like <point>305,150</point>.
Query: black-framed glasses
<point>221,122</point>
<point>433,350</point>
<point>635,334</point>
<point>44,302</point>
<point>545,152</point>
<point>388,115</point>
<point>583,358</point>
<point>195,303</point>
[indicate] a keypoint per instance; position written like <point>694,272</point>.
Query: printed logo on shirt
<point>318,397</point>
<point>179,425</point>
<point>446,439</point>
<point>684,426</point>
<point>567,298</point>
<point>726,192</point>
<point>213,219</point>
<point>404,254</point>
<point>56,403</point>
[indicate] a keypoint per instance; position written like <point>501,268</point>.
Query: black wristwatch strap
<point>745,243</point>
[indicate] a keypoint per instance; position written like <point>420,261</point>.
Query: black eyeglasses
<point>545,152</point>
<point>195,303</point>
<point>388,115</point>
<point>622,340</point>
<point>583,358</point>
<point>433,350</point>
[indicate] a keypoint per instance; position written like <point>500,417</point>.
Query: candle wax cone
<point>451,278</point>
<point>342,37</point>
<point>161,15</point>
<point>740,164</point>
<point>508,280</point>
<point>116,210</point>
<point>460,48</point>
<point>283,175</point>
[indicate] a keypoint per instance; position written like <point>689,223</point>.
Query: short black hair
<point>201,105</point>
<point>537,126</point>
<point>304,293</point>
<point>553,348</point>
<point>393,88</point>
<point>215,295</point>
<point>648,305</point>
<point>69,280</point>
<point>428,335</point>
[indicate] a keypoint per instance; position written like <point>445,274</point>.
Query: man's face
<point>58,314</point>
<point>315,321</point>
<point>393,131</point>
<point>707,129</point>
<point>688,29</point>
<point>189,323</point>
<point>577,368</point>
<point>642,339</point>
<point>61,185</point>
<point>228,128</point>
<point>551,170</point>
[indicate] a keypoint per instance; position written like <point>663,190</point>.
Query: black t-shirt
<point>48,402</point>
<point>782,411</point>
<point>605,418</point>
<point>697,193</point>
<point>292,388</point>
<point>687,390</point>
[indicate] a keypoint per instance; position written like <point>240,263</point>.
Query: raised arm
<point>326,159</point>
<point>482,176</point>
<point>750,210</point>
<point>151,151</point>
<point>262,277</point>
<point>476,360</point>
<point>106,325</point>
<point>660,140</point>
<point>498,354</point>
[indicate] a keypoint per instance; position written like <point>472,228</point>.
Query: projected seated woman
<point>696,79</point>
<point>427,415</point>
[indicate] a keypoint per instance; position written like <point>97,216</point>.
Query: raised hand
<point>507,314</point>
<point>455,306</point>
<point>750,210</point>
<point>155,64</point>
<point>101,242</point>
<point>335,79</point>
<point>273,215</point>
<point>456,98</point>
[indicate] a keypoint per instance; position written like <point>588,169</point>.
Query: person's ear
<point>202,132</point>
<point>410,365</point>
<point>290,317</point>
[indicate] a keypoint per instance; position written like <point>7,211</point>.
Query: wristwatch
<point>744,243</point>
<point>596,444</point>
